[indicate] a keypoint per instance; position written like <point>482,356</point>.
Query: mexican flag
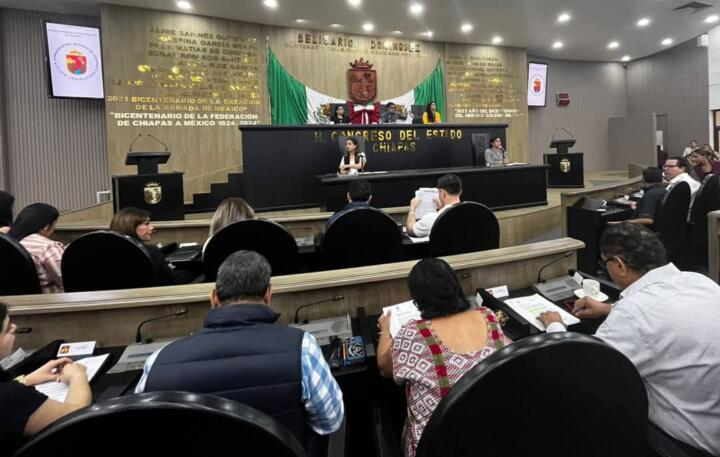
<point>292,103</point>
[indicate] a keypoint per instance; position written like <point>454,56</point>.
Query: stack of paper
<point>530,308</point>
<point>401,314</point>
<point>58,391</point>
<point>427,196</point>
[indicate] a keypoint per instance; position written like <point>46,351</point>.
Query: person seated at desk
<point>232,209</point>
<point>33,228</point>
<point>339,117</point>
<point>135,223</point>
<point>431,114</point>
<point>24,411</point>
<point>452,337</point>
<point>242,355</point>
<point>704,164</point>
<point>6,211</point>
<point>495,155</point>
<point>676,170</point>
<point>354,160</point>
<point>358,196</point>
<point>390,116</point>
<point>449,191</point>
<point>667,323</point>
<point>646,210</point>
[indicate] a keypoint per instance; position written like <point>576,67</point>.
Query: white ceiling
<point>523,23</point>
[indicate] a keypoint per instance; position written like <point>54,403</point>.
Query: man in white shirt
<point>676,170</point>
<point>690,148</point>
<point>667,322</point>
<point>449,190</point>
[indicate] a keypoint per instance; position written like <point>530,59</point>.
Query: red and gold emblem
<point>362,81</point>
<point>76,62</point>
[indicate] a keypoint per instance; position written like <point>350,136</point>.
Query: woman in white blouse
<point>353,161</point>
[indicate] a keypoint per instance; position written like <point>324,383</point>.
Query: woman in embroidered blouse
<point>462,336</point>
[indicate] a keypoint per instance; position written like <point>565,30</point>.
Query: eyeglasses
<point>670,166</point>
<point>603,262</point>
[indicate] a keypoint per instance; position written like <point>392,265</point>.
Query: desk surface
<point>331,178</point>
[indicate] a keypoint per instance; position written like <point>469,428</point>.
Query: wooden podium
<point>159,193</point>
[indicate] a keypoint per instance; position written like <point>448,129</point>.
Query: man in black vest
<point>242,355</point>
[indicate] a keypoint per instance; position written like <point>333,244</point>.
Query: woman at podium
<point>495,155</point>
<point>431,114</point>
<point>353,161</point>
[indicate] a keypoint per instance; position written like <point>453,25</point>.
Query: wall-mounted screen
<point>537,84</point>
<point>74,58</point>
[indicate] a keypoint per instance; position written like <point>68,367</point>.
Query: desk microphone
<point>138,333</point>
<point>297,311</point>
<point>134,141</point>
<point>554,261</point>
<point>166,148</point>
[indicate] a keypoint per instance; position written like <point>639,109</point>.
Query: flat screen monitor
<point>74,58</point>
<point>537,84</point>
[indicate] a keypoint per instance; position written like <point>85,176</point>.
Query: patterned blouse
<point>429,369</point>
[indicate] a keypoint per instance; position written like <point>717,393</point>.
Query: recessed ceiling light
<point>368,26</point>
<point>712,19</point>
<point>270,3</point>
<point>613,45</point>
<point>643,22</point>
<point>564,17</point>
<point>336,26</point>
<point>417,9</point>
<point>354,3</point>
<point>667,42</point>
<point>301,21</point>
<point>558,45</point>
<point>396,32</point>
<point>497,39</point>
<point>626,58</point>
<point>428,34</point>
<point>183,5</point>
<point>466,28</point>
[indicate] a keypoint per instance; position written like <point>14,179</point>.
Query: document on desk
<point>529,308</point>
<point>427,196</point>
<point>401,314</point>
<point>59,390</point>
<point>425,239</point>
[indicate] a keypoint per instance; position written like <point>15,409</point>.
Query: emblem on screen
<point>362,81</point>
<point>565,166</point>
<point>76,62</point>
<point>537,85</point>
<point>153,193</point>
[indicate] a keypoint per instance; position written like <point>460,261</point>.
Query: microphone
<point>138,333</point>
<point>573,136</point>
<point>134,141</point>
<point>297,311</point>
<point>554,261</point>
<point>166,148</point>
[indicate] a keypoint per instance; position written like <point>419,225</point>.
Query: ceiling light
<point>368,26</point>
<point>613,45</point>
<point>336,26</point>
<point>396,32</point>
<point>564,17</point>
<point>183,5</point>
<point>428,34</point>
<point>626,58</point>
<point>417,9</point>
<point>558,45</point>
<point>301,21</point>
<point>354,3</point>
<point>497,39</point>
<point>270,3</point>
<point>466,28</point>
<point>713,18</point>
<point>643,22</point>
<point>667,42</point>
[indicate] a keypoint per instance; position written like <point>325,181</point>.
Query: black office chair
<point>361,236</point>
<point>264,237</point>
<point>417,111</point>
<point>165,423</point>
<point>707,199</point>
<point>465,227</point>
<point>105,260</point>
<point>660,444</point>
<point>480,142</point>
<point>672,225</point>
<point>17,274</point>
<point>543,394</point>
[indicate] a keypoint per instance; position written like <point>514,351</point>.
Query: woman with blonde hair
<point>231,210</point>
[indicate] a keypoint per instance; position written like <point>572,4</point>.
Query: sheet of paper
<point>427,196</point>
<point>425,239</point>
<point>534,305</point>
<point>401,314</point>
<point>58,390</point>
<point>187,245</point>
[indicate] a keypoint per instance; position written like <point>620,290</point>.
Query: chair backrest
<point>105,260</point>
<point>567,392</point>
<point>359,237</point>
<point>465,227</point>
<point>672,223</point>
<point>417,111</point>
<point>479,142</point>
<point>17,274</point>
<point>267,238</point>
<point>165,423</point>
<point>706,199</point>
